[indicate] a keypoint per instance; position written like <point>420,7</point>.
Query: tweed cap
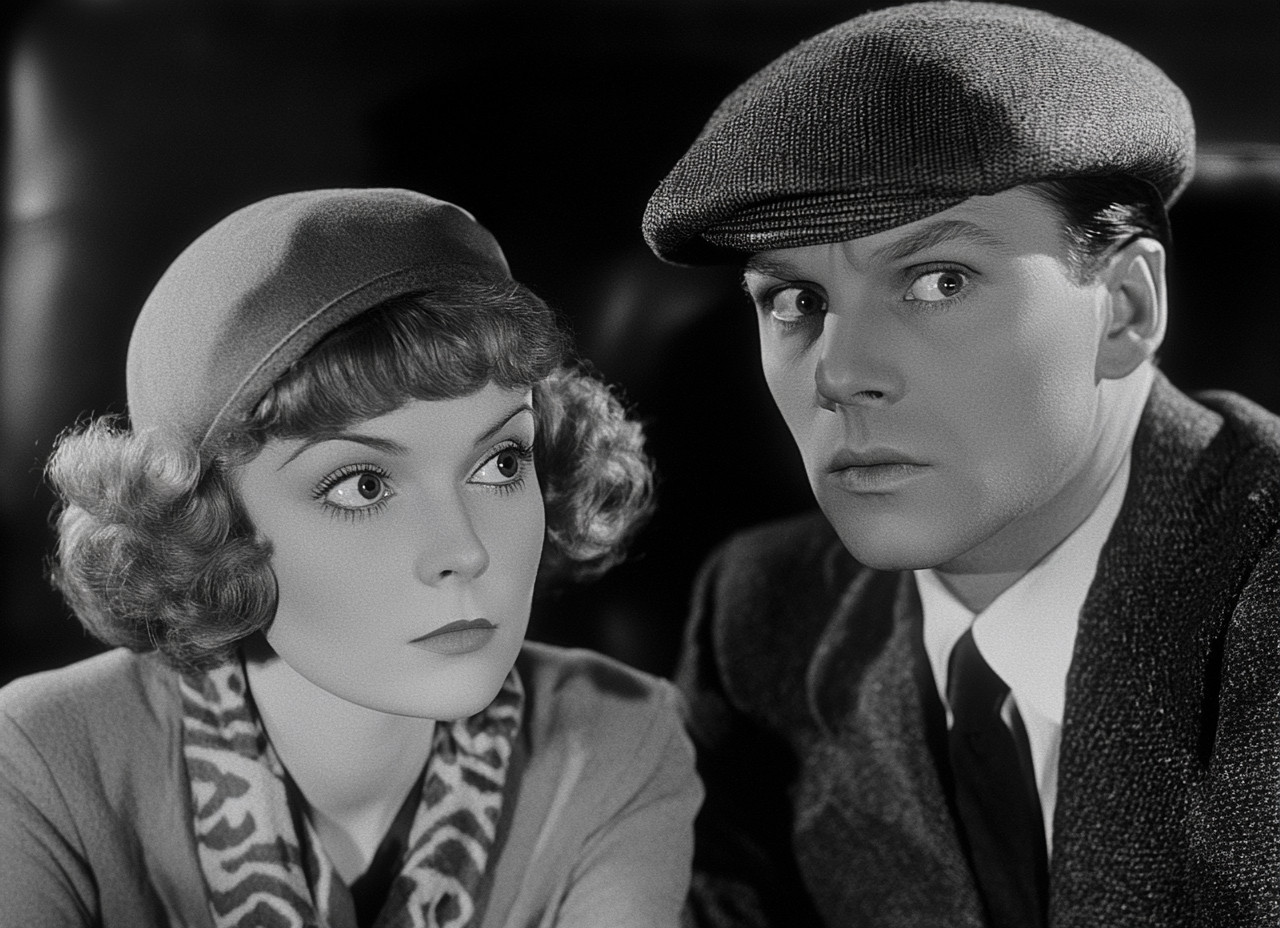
<point>907,111</point>
<point>251,295</point>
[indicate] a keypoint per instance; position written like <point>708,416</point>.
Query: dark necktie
<point>1000,820</point>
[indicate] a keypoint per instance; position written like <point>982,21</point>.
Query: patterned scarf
<point>251,856</point>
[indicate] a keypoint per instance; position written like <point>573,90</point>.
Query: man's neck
<point>981,575</point>
<point>979,590</point>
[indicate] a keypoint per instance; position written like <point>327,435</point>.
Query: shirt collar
<point>1028,632</point>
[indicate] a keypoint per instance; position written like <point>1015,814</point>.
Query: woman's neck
<point>353,765</point>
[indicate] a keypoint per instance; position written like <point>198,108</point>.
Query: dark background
<point>131,125</point>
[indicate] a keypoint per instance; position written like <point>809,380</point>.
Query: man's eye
<point>936,286</point>
<point>794,304</point>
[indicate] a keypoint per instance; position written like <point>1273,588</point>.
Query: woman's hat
<point>251,295</point>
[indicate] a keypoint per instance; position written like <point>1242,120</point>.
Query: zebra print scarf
<point>250,854</point>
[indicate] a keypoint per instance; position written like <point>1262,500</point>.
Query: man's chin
<point>891,543</point>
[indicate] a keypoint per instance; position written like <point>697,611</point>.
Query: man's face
<point>940,381</point>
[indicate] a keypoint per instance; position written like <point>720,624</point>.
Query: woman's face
<point>405,549</point>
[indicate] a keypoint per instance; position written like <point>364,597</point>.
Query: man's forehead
<point>999,223</point>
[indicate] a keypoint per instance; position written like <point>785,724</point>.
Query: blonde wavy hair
<point>155,551</point>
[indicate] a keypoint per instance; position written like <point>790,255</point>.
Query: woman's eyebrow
<point>388,445</point>
<point>385,445</point>
<point>500,424</point>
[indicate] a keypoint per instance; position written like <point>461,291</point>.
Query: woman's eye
<point>936,286</point>
<point>359,490</point>
<point>793,304</point>
<point>505,466</point>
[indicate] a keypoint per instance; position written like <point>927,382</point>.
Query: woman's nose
<point>452,549</point>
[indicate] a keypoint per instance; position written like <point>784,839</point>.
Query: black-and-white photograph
<point>640,464</point>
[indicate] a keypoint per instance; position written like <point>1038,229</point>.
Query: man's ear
<point>1137,308</point>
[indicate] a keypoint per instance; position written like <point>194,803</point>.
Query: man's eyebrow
<point>930,236</point>
<point>769,267</point>
<point>938,233</point>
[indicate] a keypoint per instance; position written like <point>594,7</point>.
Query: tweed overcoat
<point>814,714</point>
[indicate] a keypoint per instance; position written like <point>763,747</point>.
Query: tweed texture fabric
<point>249,296</point>
<point>902,113</point>
<point>817,722</point>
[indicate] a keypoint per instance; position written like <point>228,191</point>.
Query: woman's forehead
<point>417,426</point>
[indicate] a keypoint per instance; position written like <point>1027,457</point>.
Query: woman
<point>316,547</point>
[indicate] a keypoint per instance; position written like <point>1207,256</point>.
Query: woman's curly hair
<point>155,550</point>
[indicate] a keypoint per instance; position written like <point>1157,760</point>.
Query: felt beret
<point>907,111</point>
<point>251,295</point>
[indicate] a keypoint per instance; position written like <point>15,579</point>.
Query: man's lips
<point>873,470</point>
<point>870,457</point>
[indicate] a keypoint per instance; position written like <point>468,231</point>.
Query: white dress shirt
<point>1027,634</point>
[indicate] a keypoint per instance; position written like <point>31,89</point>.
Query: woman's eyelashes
<point>506,467</point>
<point>356,489</point>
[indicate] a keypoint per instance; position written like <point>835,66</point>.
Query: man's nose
<point>855,363</point>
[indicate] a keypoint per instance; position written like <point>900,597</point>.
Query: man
<point>1024,669</point>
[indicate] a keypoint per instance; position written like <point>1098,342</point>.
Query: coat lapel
<point>871,813</point>
<point>1140,716</point>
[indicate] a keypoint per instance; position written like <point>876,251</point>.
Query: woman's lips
<point>461,637</point>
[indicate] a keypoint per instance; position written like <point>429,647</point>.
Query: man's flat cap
<point>904,112</point>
